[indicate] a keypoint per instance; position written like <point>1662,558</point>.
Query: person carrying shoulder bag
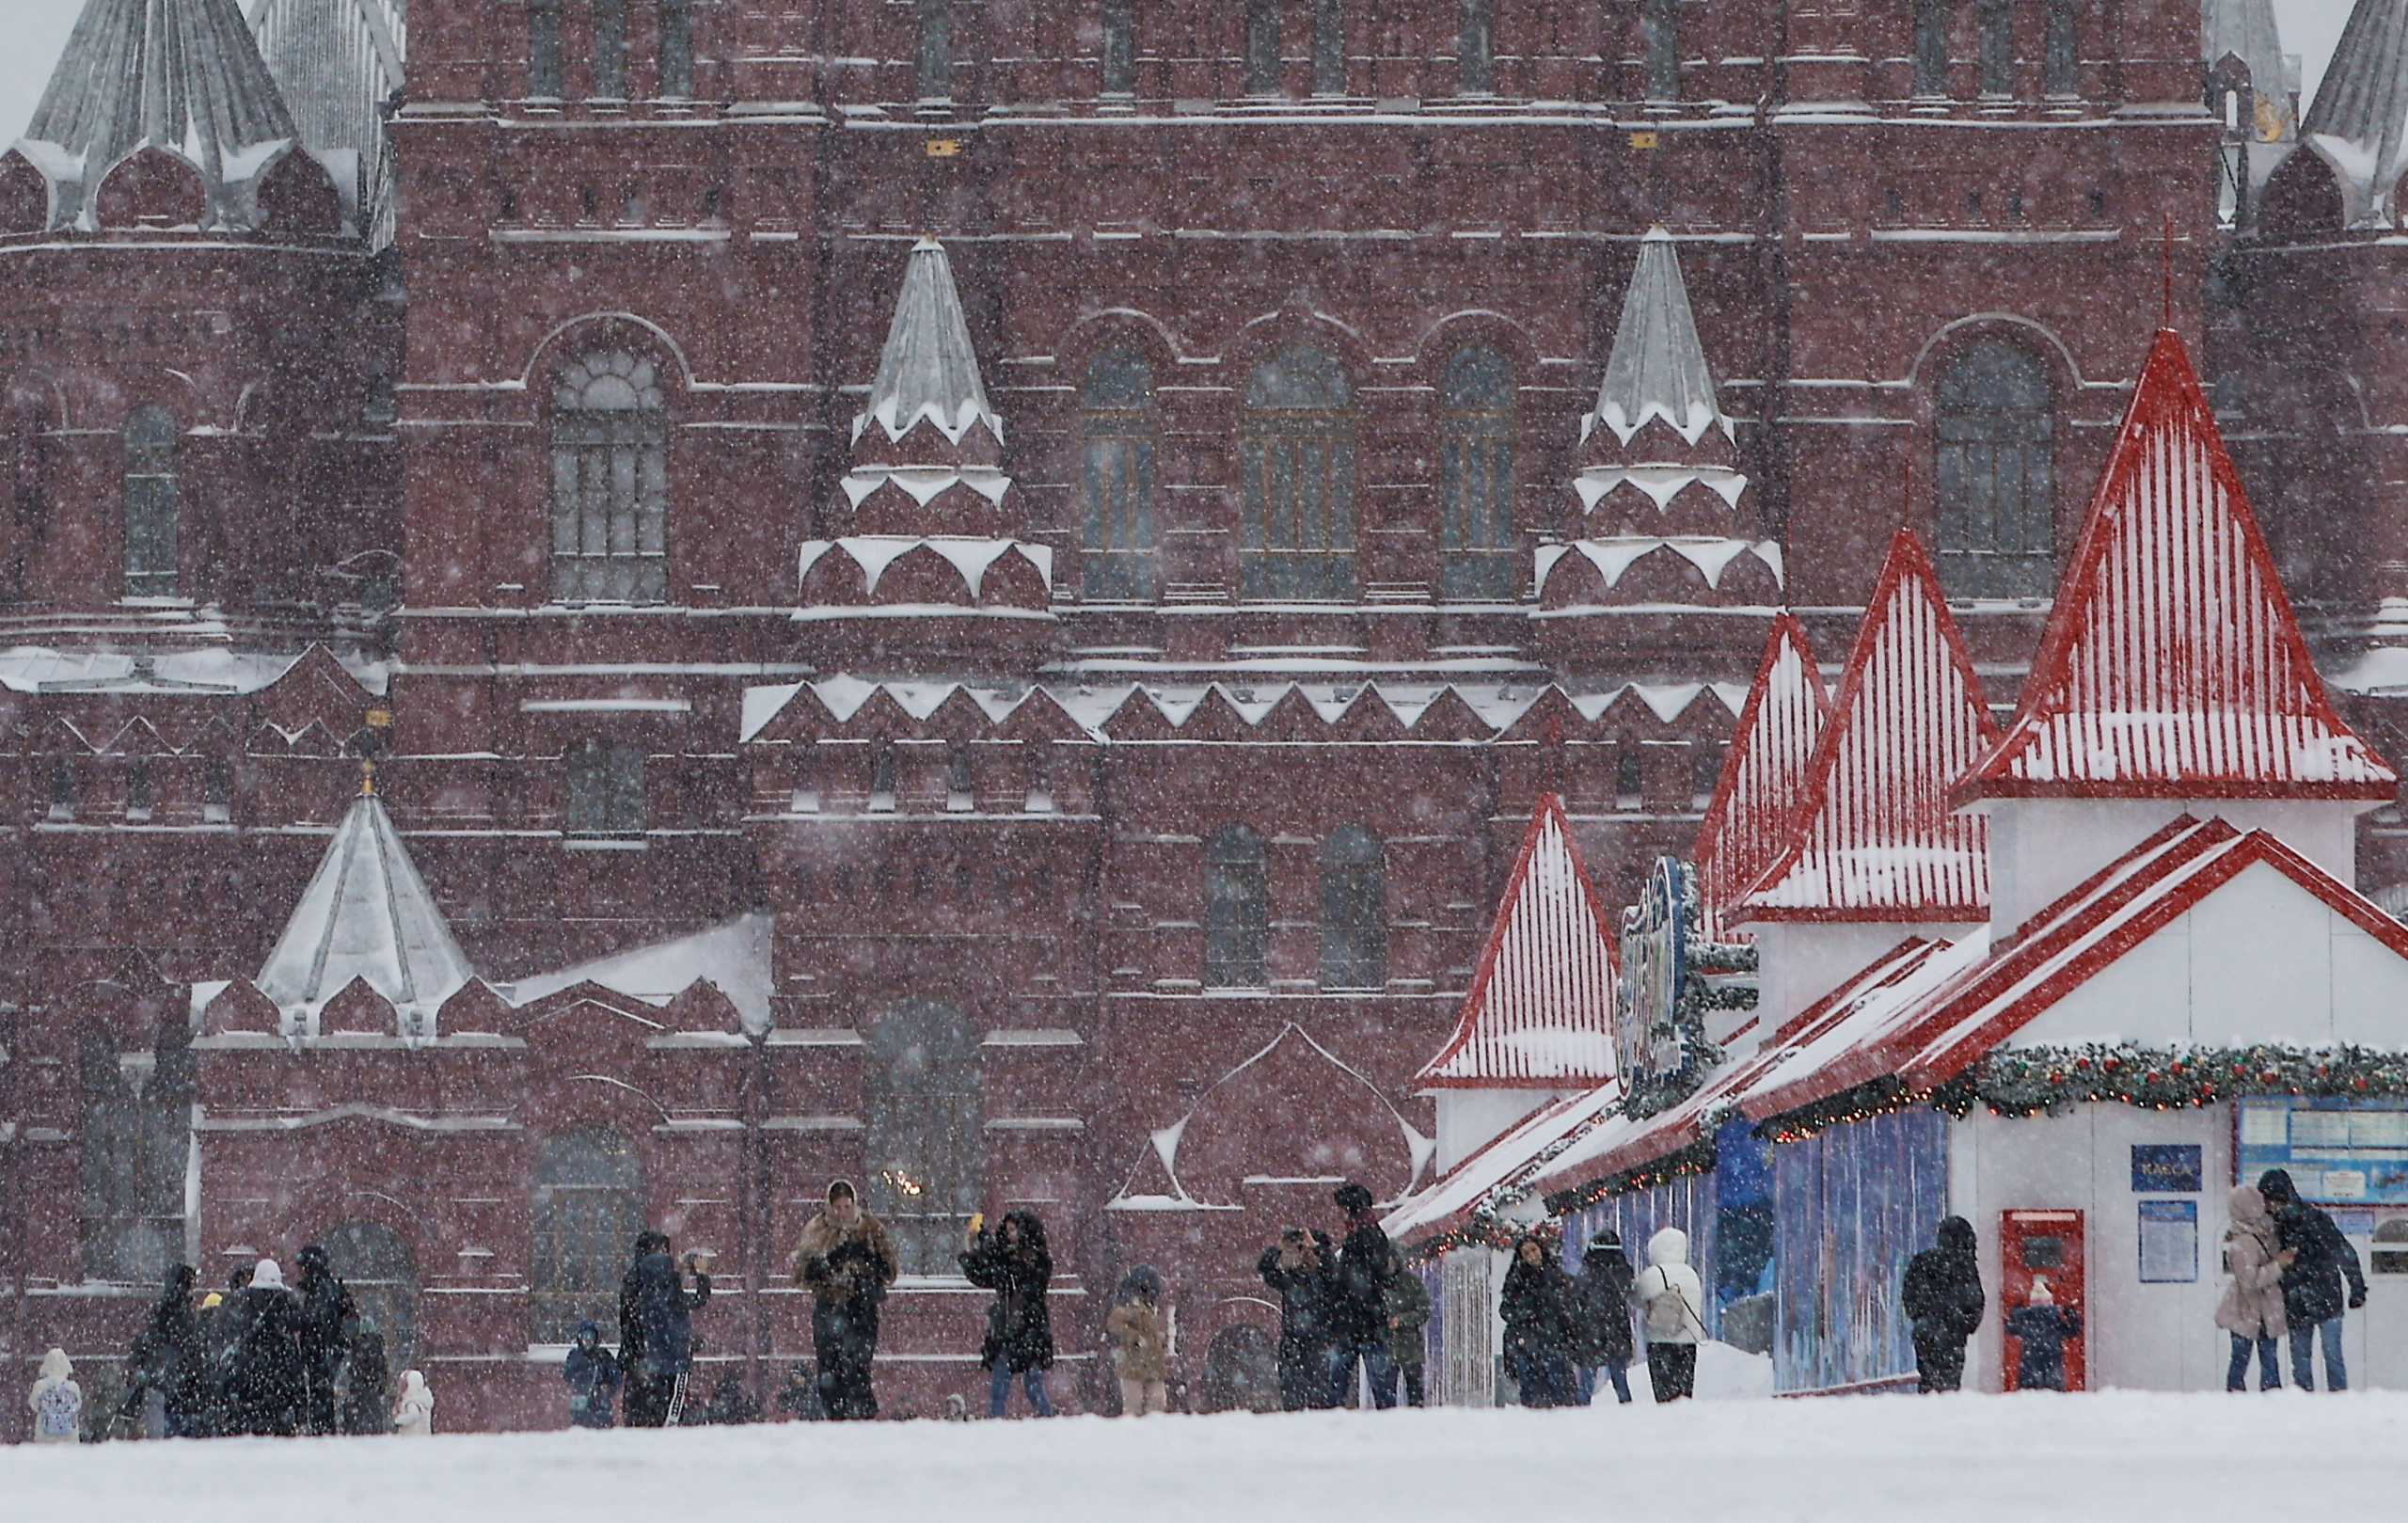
<point>1670,1295</point>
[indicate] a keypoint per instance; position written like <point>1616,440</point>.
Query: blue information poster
<point>2337,1151</point>
<point>2169,1241</point>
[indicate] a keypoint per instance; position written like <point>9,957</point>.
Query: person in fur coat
<point>847,1259</point>
<point>1140,1344</point>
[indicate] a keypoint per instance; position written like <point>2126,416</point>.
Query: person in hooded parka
<point>1535,1305</point>
<point>56,1400</point>
<point>1672,1302</point>
<point>1014,1262</point>
<point>665,1331</point>
<point>592,1375</point>
<point>328,1318</point>
<point>264,1385</point>
<point>169,1358</point>
<point>1601,1337</point>
<point>1942,1297</point>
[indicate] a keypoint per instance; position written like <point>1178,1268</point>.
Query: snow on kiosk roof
<point>1876,841</point>
<point>2172,665</point>
<point>1754,807</point>
<point>1540,1012</point>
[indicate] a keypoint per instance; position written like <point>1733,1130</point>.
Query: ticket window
<point>2390,1250</point>
<point>2035,1245</point>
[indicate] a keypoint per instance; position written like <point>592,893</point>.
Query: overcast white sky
<point>32,32</point>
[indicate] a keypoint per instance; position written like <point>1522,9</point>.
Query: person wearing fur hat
<point>56,1400</point>
<point>1014,1262</point>
<point>2041,1328</point>
<point>1140,1346</point>
<point>414,1408</point>
<point>847,1259</point>
<point>1358,1311</point>
<point>264,1385</point>
<point>328,1317</point>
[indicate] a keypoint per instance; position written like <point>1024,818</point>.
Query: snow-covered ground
<point>1865,1460</point>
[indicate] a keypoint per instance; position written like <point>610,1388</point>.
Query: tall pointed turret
<point>1754,807</point>
<point>181,76</point>
<point>2359,121</point>
<point>935,565</point>
<point>1665,515</point>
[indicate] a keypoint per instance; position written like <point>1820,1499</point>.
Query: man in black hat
<point>1359,1301</point>
<point>2312,1284</point>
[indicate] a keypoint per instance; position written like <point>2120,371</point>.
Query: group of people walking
<point>1563,1330</point>
<point>1346,1306</point>
<point>260,1358</point>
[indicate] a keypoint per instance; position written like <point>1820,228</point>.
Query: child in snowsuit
<point>592,1375</point>
<point>56,1400</point>
<point>2041,1327</point>
<point>1140,1347</point>
<point>414,1412</point>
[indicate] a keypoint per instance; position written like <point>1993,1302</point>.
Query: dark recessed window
<point>606,791</point>
<point>1476,478</point>
<point>1354,911</point>
<point>1237,910</point>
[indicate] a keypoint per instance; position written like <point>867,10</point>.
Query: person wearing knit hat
<point>2041,1329</point>
<point>261,1327</point>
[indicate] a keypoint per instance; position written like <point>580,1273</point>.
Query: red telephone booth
<point>2043,1244</point>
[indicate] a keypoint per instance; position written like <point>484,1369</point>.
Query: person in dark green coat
<point>1408,1307</point>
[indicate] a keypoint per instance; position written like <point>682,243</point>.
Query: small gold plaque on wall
<point>1642,140</point>
<point>943,148</point>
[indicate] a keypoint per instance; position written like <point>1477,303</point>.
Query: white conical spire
<point>366,914</point>
<point>1657,368</point>
<point>927,368</point>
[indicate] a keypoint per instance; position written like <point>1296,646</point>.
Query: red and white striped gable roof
<point>1540,1012</point>
<point>2172,666</point>
<point>1754,808</point>
<point>1876,840</point>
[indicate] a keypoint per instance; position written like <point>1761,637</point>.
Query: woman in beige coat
<point>2252,1308</point>
<point>1140,1348</point>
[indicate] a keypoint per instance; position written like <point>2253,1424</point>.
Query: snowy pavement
<point>1866,1460</point>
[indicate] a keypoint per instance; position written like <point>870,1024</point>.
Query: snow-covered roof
<point>927,370</point>
<point>2172,665</point>
<point>366,914</point>
<point>1498,1168</point>
<point>1658,367</point>
<point>183,76</point>
<point>338,63</point>
<point>1876,840</point>
<point>1755,801</point>
<point>1540,1012</point>
<point>215,670</point>
<point>1711,555</point>
<point>2359,119</point>
<point>734,955</point>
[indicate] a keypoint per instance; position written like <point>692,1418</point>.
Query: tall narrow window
<point>1931,47</point>
<point>1119,47</point>
<point>1476,478</point>
<point>140,794</point>
<point>151,503</point>
<point>606,794</point>
<point>544,49</point>
<point>1296,454</point>
<point>1996,19</point>
<point>1354,911</point>
<point>62,787</point>
<point>588,1207</point>
<point>1262,47</point>
<point>936,50</point>
<point>676,49</point>
<point>610,483</point>
<point>1660,44</point>
<point>217,791</point>
<point>610,49</point>
<point>1330,47</point>
<point>1993,477</point>
<point>1119,431</point>
<point>2062,69</point>
<point>1237,910</point>
<point>1476,48</point>
<point>137,1135</point>
<point>922,1131</point>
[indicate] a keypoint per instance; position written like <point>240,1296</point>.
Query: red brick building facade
<point>1036,719</point>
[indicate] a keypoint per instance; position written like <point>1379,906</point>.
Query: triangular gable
<point>1755,801</point>
<point>1540,1012</point>
<point>1876,840</point>
<point>2172,665</point>
<point>366,913</point>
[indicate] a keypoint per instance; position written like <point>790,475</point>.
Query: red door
<point>2036,1246</point>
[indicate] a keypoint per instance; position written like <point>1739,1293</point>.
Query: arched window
<point>923,1132</point>
<point>151,503</point>
<point>1119,447</point>
<point>588,1207</point>
<point>610,481</point>
<point>676,49</point>
<point>1262,47</point>
<point>934,55</point>
<point>544,49</point>
<point>375,1265</point>
<point>2061,68</point>
<point>1994,474</point>
<point>1297,455</point>
<point>1931,47</point>
<point>1476,48</point>
<point>1660,45</point>
<point>1476,477</point>
<point>1237,910</point>
<point>606,794</point>
<point>1119,47</point>
<point>1354,911</point>
<point>1996,20</point>
<point>1330,47</point>
<point>611,49</point>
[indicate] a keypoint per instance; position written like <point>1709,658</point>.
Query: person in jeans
<point>1358,1308</point>
<point>1601,1316</point>
<point>1014,1262</point>
<point>2312,1300</point>
<point>2251,1308</point>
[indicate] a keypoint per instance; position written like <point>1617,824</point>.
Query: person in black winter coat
<point>1298,1268</point>
<point>1537,1309</point>
<point>1942,1297</point>
<point>2041,1329</point>
<point>368,1394</point>
<point>1358,1302</point>
<point>168,1357</point>
<point>2312,1296</point>
<point>592,1375</point>
<point>328,1318</point>
<point>1601,1338</point>
<point>265,1385</point>
<point>1013,1263</point>
<point>655,1321</point>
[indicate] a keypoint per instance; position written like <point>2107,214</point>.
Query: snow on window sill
<point>603,843</point>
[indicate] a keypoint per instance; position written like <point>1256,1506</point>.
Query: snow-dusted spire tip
<point>1657,368</point>
<point>929,368</point>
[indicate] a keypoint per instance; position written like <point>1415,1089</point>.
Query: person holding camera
<point>1013,1261</point>
<point>1298,1268</point>
<point>656,1328</point>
